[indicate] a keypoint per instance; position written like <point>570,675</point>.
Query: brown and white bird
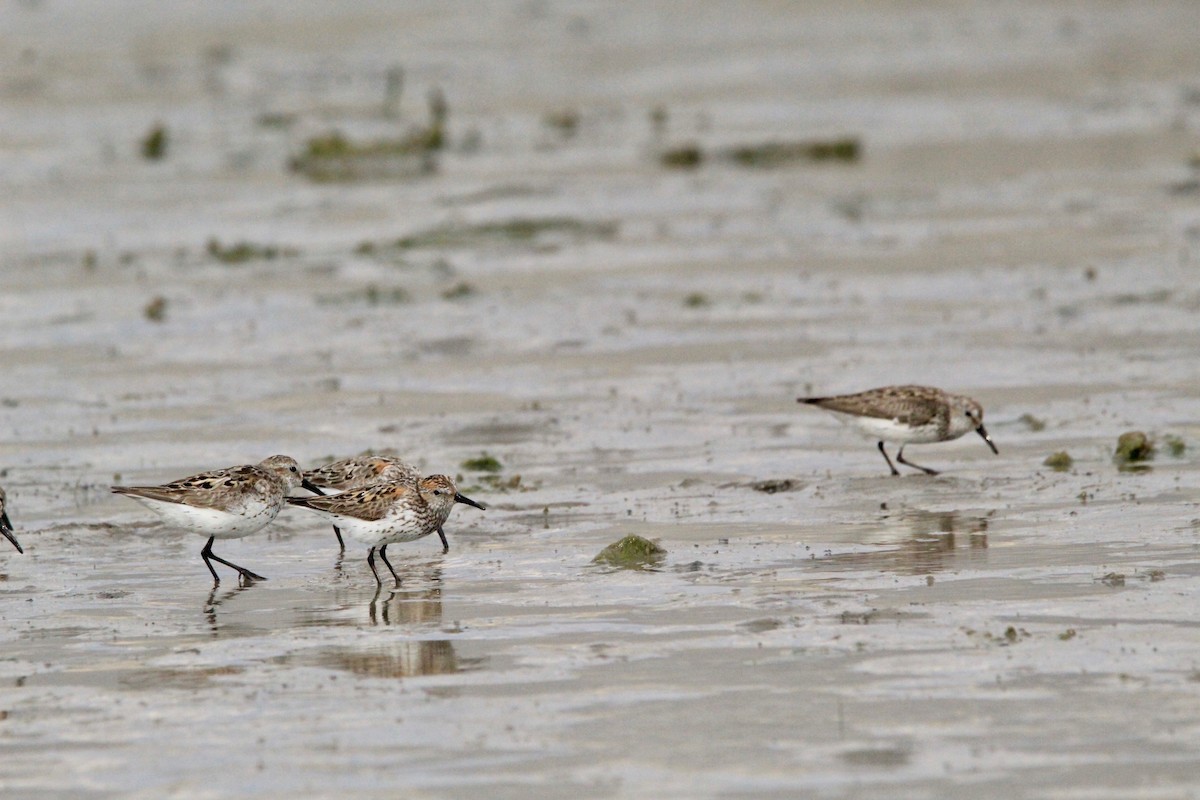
<point>361,471</point>
<point>907,415</point>
<point>226,503</point>
<point>387,513</point>
<point>6,527</point>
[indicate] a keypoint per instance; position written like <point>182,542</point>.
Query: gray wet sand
<point>1023,227</point>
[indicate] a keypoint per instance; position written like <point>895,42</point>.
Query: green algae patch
<point>156,309</point>
<point>154,143</point>
<point>485,463</point>
<point>780,154</point>
<point>1060,461</point>
<point>768,155</point>
<point>459,291</point>
<point>632,552</point>
<point>334,157</point>
<point>1033,423</point>
<point>371,295</point>
<point>686,156</point>
<point>1132,447</point>
<point>518,231</point>
<point>241,252</point>
<point>775,485</point>
<point>565,121</point>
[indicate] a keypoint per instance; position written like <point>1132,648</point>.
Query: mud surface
<point>627,339</point>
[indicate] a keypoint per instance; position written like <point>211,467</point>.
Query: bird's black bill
<point>983,432</point>
<point>458,498</point>
<point>312,487</point>
<point>6,529</point>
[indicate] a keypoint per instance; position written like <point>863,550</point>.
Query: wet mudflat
<point>625,335</point>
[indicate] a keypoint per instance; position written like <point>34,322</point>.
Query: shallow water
<point>1022,227</point>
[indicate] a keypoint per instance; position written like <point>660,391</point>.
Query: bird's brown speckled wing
<point>204,490</point>
<point>359,471</point>
<point>369,504</point>
<point>909,405</point>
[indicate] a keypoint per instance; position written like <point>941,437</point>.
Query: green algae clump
<point>632,552</point>
<point>1133,446</point>
<point>1033,423</point>
<point>154,144</point>
<point>241,252</point>
<point>521,230</point>
<point>156,309</point>
<point>687,156</point>
<point>1060,461</point>
<point>485,463</point>
<point>778,154</point>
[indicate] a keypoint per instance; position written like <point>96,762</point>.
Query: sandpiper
<point>362,471</point>
<point>386,513</point>
<point>908,415</point>
<point>6,527</point>
<point>223,504</point>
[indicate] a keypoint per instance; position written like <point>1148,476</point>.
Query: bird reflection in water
<point>417,606</point>
<point>216,598</point>
<point>397,659</point>
<point>929,541</point>
<point>417,602</point>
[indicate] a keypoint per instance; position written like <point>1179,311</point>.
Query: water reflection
<point>928,541</point>
<point>408,607</point>
<point>415,605</point>
<point>216,598</point>
<point>397,659</point>
<point>415,601</point>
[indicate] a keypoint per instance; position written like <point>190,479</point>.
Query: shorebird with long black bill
<point>907,415</point>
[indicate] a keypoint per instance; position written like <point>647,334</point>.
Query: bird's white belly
<point>210,521</point>
<point>396,527</point>
<point>407,535</point>
<point>889,430</point>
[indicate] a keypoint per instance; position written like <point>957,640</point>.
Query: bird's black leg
<point>341,544</point>
<point>900,458</point>
<point>445,544</point>
<point>371,564</point>
<point>207,554</point>
<point>891,466</point>
<point>383,555</point>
